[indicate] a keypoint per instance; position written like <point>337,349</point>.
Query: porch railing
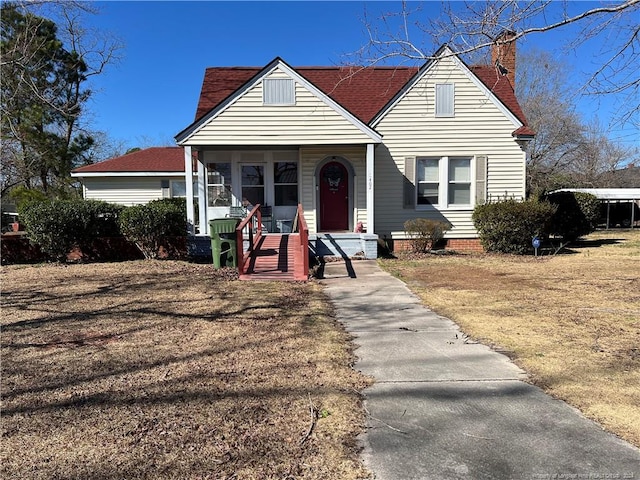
<point>300,226</point>
<point>253,224</point>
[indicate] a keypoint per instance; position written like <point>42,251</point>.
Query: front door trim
<point>350,179</point>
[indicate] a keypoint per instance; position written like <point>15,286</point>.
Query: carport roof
<point>608,193</point>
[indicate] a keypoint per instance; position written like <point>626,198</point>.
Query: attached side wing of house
<point>135,178</point>
<point>450,143</point>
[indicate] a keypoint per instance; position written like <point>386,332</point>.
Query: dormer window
<point>445,99</point>
<point>279,91</point>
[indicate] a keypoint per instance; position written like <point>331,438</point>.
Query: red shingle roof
<point>363,92</point>
<point>501,88</point>
<point>155,159</point>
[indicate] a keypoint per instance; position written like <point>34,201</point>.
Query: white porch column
<point>202,199</point>
<point>370,197</point>
<point>188,180</point>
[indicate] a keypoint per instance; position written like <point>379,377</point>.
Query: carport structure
<point>615,200</point>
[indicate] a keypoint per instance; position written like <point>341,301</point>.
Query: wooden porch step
<point>277,257</point>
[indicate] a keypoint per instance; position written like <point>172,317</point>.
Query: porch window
<point>428,181</point>
<point>285,175</point>
<point>219,184</point>
<point>278,91</point>
<point>445,100</point>
<point>253,184</point>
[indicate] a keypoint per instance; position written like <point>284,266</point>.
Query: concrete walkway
<point>446,408</point>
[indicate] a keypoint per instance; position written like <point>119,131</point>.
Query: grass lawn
<point>572,321</point>
<point>161,369</point>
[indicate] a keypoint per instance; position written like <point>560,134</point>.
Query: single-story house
<point>135,178</point>
<point>362,150</point>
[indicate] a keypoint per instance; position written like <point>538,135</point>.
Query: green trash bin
<point>223,241</point>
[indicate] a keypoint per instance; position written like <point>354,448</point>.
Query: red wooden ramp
<point>275,257</point>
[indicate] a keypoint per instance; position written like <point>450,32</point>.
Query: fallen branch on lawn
<point>313,412</point>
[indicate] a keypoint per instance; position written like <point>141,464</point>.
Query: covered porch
<point>330,186</point>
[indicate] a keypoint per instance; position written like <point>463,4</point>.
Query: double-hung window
<point>443,181</point>
<point>428,181</point>
<point>459,180</point>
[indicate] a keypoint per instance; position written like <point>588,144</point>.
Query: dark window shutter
<point>481,179</point>
<point>409,182</point>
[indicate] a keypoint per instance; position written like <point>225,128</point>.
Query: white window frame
<point>283,94</point>
<point>441,101</point>
<point>444,182</point>
<point>172,183</point>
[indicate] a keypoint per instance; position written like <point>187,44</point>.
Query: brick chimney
<point>503,55</point>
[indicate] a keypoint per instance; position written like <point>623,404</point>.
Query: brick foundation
<point>467,245</point>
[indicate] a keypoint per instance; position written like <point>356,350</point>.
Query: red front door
<point>334,197</point>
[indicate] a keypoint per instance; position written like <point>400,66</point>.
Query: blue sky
<point>151,93</point>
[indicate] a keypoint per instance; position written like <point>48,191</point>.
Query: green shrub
<point>509,226</point>
<point>425,233</point>
<point>576,214</point>
<point>23,195</point>
<point>58,226</point>
<point>145,225</point>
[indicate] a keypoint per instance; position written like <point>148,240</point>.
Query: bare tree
<point>598,160</point>
<point>566,152</point>
<point>542,90</point>
<point>469,28</point>
<point>46,66</point>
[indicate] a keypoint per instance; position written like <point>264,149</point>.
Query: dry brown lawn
<point>162,369</point>
<point>572,321</point>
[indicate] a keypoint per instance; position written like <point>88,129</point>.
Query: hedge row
<point>59,226</point>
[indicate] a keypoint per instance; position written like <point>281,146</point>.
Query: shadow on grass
<point>110,310</point>
<point>600,242</point>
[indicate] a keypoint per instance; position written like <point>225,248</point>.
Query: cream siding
<point>411,129</point>
<point>125,190</point>
<point>247,121</point>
